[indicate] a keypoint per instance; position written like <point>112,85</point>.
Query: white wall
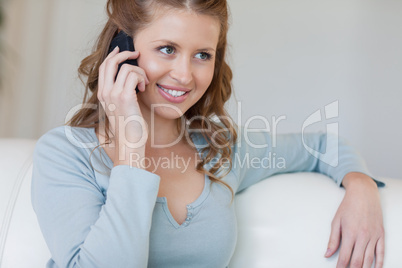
<point>294,57</point>
<point>290,58</point>
<point>45,42</point>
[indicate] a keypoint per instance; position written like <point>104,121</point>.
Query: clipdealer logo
<point>331,155</point>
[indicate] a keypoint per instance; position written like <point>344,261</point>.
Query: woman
<point>147,179</point>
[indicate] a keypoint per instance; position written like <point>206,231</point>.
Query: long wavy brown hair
<point>134,15</point>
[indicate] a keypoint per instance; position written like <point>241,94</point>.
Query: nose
<point>182,71</point>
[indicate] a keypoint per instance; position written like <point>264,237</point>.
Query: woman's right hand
<point>119,101</point>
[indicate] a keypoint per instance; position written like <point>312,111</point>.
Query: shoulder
<point>65,144</point>
<point>67,135</point>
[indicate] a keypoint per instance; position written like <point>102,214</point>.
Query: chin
<point>170,112</point>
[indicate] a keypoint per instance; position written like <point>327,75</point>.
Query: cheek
<point>206,78</point>
<point>152,67</point>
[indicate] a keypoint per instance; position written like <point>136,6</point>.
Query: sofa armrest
<point>284,221</point>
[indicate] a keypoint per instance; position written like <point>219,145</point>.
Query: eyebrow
<point>171,43</point>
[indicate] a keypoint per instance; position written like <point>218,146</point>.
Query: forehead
<point>182,27</point>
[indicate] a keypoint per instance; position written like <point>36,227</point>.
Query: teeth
<point>174,93</point>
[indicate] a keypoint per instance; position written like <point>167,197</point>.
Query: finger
<point>113,52</point>
<point>334,238</point>
<point>102,66</point>
<point>141,72</point>
<point>358,253</point>
<point>345,252</point>
<point>125,71</point>
<point>369,254</point>
<point>379,253</point>
<point>133,68</point>
<point>138,69</point>
<point>111,65</point>
<point>132,82</point>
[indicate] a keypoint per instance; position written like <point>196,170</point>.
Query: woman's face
<point>177,53</point>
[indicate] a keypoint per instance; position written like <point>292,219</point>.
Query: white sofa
<point>283,221</point>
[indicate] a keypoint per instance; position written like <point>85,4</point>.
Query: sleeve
<point>258,155</point>
<point>82,227</point>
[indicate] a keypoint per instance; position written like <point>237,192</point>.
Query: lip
<point>175,88</point>
<point>170,98</point>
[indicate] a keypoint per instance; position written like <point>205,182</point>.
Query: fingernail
<point>327,253</point>
<point>117,47</point>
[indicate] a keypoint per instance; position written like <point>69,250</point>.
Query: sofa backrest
<point>21,241</point>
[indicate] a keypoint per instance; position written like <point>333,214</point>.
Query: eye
<point>204,56</point>
<point>167,50</point>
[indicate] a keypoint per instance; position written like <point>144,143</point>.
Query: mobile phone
<point>124,42</point>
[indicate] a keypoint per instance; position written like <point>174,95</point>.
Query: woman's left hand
<point>358,222</point>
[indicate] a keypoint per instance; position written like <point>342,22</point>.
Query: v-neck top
<point>95,215</point>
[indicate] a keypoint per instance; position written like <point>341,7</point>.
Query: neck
<point>162,132</point>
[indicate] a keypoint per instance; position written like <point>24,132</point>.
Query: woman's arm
<point>359,218</point>
<point>259,155</point>
<point>82,227</point>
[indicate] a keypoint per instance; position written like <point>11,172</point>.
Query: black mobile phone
<point>124,42</point>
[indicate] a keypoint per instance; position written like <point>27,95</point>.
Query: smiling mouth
<point>173,93</point>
